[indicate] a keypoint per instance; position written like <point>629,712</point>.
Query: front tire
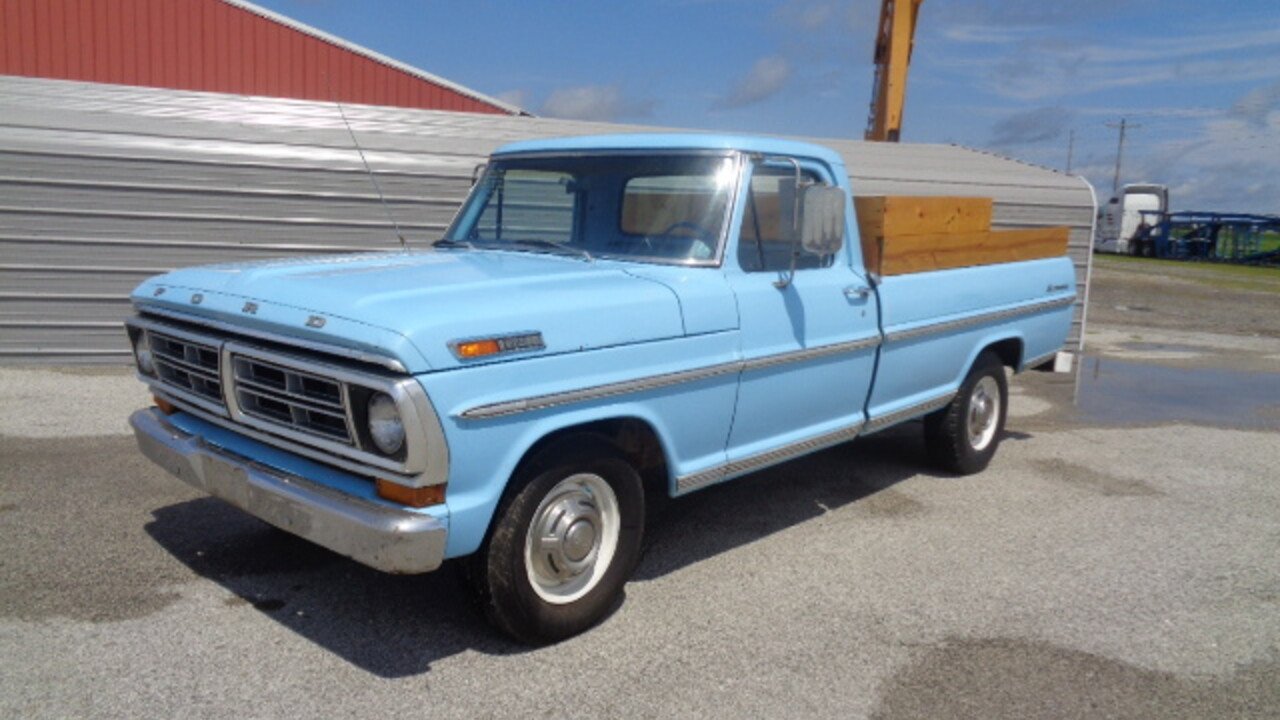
<point>963,436</point>
<point>565,541</point>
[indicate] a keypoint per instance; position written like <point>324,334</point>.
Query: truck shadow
<point>397,626</point>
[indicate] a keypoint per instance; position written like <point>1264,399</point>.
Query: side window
<point>528,205</point>
<point>764,244</point>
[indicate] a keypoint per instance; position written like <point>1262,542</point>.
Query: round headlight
<point>385,426</point>
<point>142,354</point>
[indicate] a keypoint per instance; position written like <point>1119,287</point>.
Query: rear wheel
<point>564,543</point>
<point>963,436</point>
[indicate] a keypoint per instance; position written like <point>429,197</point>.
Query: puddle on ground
<point>1143,346</point>
<point>1125,392</point>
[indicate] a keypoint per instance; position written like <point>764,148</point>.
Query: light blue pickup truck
<point>607,318</point>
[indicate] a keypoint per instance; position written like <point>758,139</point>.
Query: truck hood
<point>411,304</point>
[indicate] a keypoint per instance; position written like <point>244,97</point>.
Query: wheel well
<point>1009,351</point>
<point>636,438</point>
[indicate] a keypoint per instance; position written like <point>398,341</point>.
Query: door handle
<point>857,291</point>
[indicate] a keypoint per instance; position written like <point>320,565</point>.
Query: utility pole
<point>1071,148</point>
<point>1123,126</point>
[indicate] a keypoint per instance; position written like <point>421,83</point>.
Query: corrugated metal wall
<point>214,45</point>
<point>101,186</point>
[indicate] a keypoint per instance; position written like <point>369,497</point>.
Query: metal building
<point>103,185</point>
<point>227,46</point>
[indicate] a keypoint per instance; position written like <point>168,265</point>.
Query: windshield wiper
<point>554,247</point>
<point>447,243</point>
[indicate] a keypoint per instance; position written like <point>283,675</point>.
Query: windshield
<point>664,208</point>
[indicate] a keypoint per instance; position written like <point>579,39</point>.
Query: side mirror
<point>822,219</point>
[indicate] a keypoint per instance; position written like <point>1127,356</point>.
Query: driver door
<point>809,344</point>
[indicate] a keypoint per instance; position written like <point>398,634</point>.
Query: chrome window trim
<point>651,382</point>
<point>688,483</point>
<point>406,392</point>
<point>980,319</point>
<point>385,361</point>
<point>921,408</point>
<point>739,158</point>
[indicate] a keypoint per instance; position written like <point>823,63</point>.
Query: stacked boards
<point>907,234</point>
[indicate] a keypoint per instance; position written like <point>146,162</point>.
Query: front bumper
<point>382,537</point>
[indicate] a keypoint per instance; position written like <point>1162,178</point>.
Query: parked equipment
<point>1121,218</point>
<point>1221,237</point>
<point>895,35</point>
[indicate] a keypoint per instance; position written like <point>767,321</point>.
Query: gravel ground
<point>1103,566</point>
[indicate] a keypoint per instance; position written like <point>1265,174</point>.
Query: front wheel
<point>564,543</point>
<point>963,436</point>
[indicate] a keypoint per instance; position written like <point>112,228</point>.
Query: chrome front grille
<point>299,400</point>
<point>287,396</point>
<point>188,366</point>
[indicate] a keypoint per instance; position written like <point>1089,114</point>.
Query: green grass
<point>1223,275</point>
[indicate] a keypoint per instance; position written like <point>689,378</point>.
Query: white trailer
<point>1121,217</point>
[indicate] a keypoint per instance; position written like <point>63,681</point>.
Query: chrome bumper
<point>381,537</point>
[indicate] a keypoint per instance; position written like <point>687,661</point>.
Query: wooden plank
<point>903,234</point>
<point>870,212</point>
<point>881,217</point>
<point>924,253</point>
<point>906,215</point>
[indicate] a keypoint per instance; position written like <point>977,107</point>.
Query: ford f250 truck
<point>607,318</point>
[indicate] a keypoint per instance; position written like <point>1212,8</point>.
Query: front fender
<point>691,420</point>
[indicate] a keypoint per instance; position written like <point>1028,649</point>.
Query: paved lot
<point>1105,565</point>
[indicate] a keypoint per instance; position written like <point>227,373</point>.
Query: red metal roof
<point>225,46</point>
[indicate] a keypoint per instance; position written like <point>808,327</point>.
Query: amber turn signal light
<point>413,497</point>
<point>165,406</point>
<point>478,348</point>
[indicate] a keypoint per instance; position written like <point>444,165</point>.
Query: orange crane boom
<point>894,37</point>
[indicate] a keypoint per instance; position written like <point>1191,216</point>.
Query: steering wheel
<point>700,233</point>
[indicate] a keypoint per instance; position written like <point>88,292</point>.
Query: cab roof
<point>674,141</point>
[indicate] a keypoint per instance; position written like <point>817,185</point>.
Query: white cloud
<point>1039,62</point>
<point>766,78</point>
<point>602,103</point>
<point>519,98</point>
<point>1256,106</point>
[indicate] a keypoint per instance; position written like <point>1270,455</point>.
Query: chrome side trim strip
<point>906,413</point>
<point>541,402</point>
<point>716,474</point>
<point>385,361</point>
<point>949,325</point>
<point>806,354</point>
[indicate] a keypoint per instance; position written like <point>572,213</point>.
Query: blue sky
<point>1202,79</point>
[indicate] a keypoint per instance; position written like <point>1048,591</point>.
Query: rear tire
<point>565,540</point>
<point>963,436</point>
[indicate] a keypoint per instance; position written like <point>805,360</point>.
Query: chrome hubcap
<point>572,538</point>
<point>984,413</point>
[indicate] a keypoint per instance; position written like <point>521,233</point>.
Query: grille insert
<point>187,366</point>
<point>299,400</point>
